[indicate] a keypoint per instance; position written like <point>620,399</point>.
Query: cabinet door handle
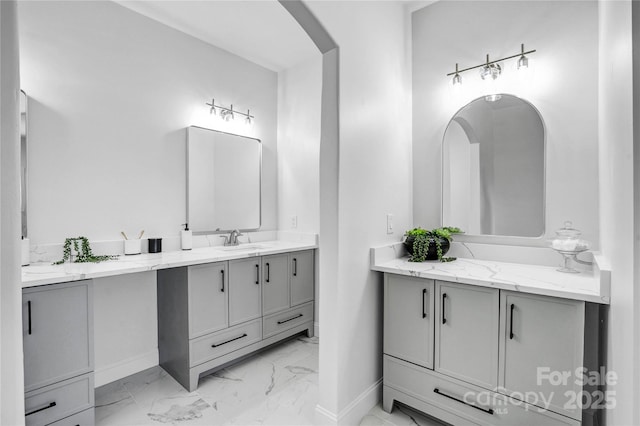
<point>295,267</point>
<point>29,314</point>
<point>424,303</point>
<point>51,405</point>
<point>486,410</point>
<point>267,265</point>
<point>511,322</point>
<point>215,345</point>
<point>290,319</point>
<point>257,274</point>
<point>444,319</point>
<point>222,275</point>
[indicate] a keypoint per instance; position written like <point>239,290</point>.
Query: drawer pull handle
<point>51,405</point>
<point>444,319</point>
<point>257,274</point>
<point>439,392</point>
<point>424,303</point>
<point>267,271</point>
<point>511,322</point>
<point>295,267</point>
<point>29,310</point>
<point>229,341</point>
<point>222,275</point>
<point>290,319</point>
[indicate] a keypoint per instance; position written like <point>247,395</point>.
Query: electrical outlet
<point>294,221</point>
<point>389,223</point>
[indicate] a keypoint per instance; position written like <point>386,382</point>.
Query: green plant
<point>423,238</point>
<point>82,247</point>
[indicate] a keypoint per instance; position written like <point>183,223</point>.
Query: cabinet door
<point>408,319</point>
<point>208,300</point>
<point>244,290</point>
<point>541,347</point>
<point>302,277</point>
<point>57,333</point>
<point>467,333</point>
<point>275,283</point>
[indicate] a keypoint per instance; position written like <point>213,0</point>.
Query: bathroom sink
<point>244,247</point>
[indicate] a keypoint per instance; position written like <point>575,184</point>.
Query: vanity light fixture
<point>492,69</point>
<point>228,114</point>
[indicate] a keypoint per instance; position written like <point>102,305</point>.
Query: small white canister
<point>132,246</point>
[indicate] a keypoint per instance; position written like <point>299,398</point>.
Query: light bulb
<point>457,79</point>
<point>523,62</point>
<point>490,71</point>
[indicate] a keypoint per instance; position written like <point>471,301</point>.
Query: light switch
<point>389,223</point>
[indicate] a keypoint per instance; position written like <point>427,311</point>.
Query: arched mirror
<point>493,181</point>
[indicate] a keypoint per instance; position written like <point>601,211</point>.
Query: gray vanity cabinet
<point>408,319</point>
<point>213,314</point>
<point>467,319</point>
<point>208,298</point>
<point>546,333</point>
<point>468,354</point>
<point>302,277</point>
<point>244,290</point>
<point>58,351</point>
<point>275,279</point>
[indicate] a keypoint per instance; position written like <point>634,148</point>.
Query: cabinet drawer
<point>60,400</point>
<point>472,403</point>
<point>276,323</point>
<point>85,418</point>
<point>221,343</point>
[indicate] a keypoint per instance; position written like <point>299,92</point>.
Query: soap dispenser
<point>186,237</point>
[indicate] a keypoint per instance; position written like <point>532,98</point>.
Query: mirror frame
<point>539,241</point>
<point>24,133</point>
<point>218,230</point>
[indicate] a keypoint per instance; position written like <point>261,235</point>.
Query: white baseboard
<point>324,416</point>
<point>111,373</point>
<point>316,329</point>
<point>353,413</point>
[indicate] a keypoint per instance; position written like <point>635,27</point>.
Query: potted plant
<point>80,249</point>
<point>431,244</point>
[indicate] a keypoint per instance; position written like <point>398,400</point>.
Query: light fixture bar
<point>491,62</point>
<point>229,110</point>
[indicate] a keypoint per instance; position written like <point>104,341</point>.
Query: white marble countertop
<point>45,273</point>
<point>589,286</point>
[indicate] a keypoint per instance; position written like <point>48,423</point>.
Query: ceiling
<point>261,31</point>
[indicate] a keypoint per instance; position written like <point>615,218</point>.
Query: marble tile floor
<point>401,415</point>
<point>278,386</point>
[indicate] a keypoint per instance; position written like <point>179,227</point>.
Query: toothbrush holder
<point>132,246</point>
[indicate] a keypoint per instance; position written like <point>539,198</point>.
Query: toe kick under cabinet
<point>213,314</point>
<point>468,354</point>
<point>57,324</point>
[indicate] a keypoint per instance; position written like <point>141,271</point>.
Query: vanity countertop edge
<point>44,273</point>
<point>589,286</point>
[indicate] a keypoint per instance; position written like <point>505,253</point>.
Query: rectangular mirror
<point>223,181</point>
<point>23,162</point>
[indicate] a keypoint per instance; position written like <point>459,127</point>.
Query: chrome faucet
<point>232,238</point>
